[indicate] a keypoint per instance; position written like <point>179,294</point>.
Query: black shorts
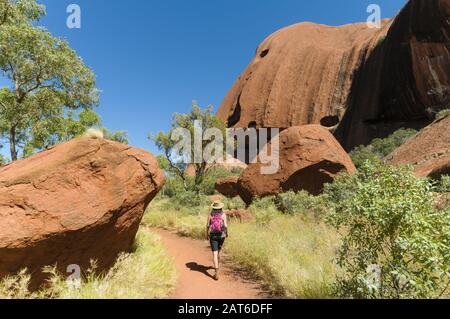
<point>217,242</point>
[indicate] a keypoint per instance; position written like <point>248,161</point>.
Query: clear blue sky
<point>153,57</point>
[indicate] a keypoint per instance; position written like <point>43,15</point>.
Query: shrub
<point>234,203</point>
<point>300,203</point>
<point>443,186</point>
<point>190,199</point>
<point>389,226</point>
<point>361,154</point>
<point>380,148</point>
<point>265,210</point>
<point>208,186</point>
<point>443,114</point>
<point>172,187</point>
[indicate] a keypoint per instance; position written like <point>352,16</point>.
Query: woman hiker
<point>217,232</point>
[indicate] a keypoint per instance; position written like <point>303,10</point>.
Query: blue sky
<point>152,58</point>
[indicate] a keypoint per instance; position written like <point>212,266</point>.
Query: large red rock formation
<point>78,201</point>
<point>361,82</point>
<point>428,151</point>
<point>309,157</point>
<point>228,187</point>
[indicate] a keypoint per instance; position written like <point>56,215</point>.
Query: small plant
<point>443,114</point>
<point>300,203</point>
<point>388,222</point>
<point>380,147</point>
<point>443,186</point>
<point>234,203</point>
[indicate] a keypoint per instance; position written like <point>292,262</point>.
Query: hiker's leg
<point>216,260</point>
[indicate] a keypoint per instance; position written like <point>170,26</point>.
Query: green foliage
<point>234,203</point>
<point>116,136</point>
<point>443,114</point>
<point>380,148</point>
<point>189,199</point>
<point>292,254</point>
<point>172,187</point>
<point>361,154</point>
<point>208,185</point>
<point>265,210</point>
<point>388,221</point>
<point>178,158</point>
<point>443,186</point>
<point>20,12</point>
<point>47,78</point>
<point>300,203</point>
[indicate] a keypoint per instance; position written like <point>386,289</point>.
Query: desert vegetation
<point>302,246</point>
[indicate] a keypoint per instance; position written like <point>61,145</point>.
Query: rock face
<point>359,82</point>
<point>228,187</point>
<point>428,151</point>
<point>309,157</point>
<point>78,201</point>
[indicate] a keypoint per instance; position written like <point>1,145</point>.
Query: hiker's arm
<point>225,223</point>
<point>207,227</point>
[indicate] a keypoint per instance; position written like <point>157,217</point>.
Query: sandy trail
<point>193,262</point>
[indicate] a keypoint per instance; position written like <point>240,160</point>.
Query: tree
<point>47,77</point>
<point>117,136</point>
<point>20,11</point>
<point>56,129</point>
<point>177,160</point>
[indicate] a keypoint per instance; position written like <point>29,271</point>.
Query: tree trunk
<point>12,143</point>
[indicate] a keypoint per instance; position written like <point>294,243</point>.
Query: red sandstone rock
<point>228,186</point>
<point>428,151</point>
<point>78,201</point>
<point>309,157</point>
<point>361,83</point>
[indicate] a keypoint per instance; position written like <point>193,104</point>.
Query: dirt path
<point>193,261</point>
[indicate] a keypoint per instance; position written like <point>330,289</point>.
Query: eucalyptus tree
<point>47,78</point>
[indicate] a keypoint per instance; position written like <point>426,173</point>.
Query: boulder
<point>359,82</point>
<point>309,157</point>
<point>228,187</point>
<point>78,201</point>
<point>428,151</point>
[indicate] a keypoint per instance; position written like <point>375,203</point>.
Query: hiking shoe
<point>216,275</point>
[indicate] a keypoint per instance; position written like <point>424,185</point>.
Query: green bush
<point>208,186</point>
<point>234,203</point>
<point>172,187</point>
<point>301,202</point>
<point>443,186</point>
<point>361,154</point>
<point>265,210</point>
<point>389,224</point>
<point>189,199</point>
<point>380,147</point>
<point>443,114</point>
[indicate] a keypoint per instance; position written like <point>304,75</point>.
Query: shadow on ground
<point>200,268</point>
